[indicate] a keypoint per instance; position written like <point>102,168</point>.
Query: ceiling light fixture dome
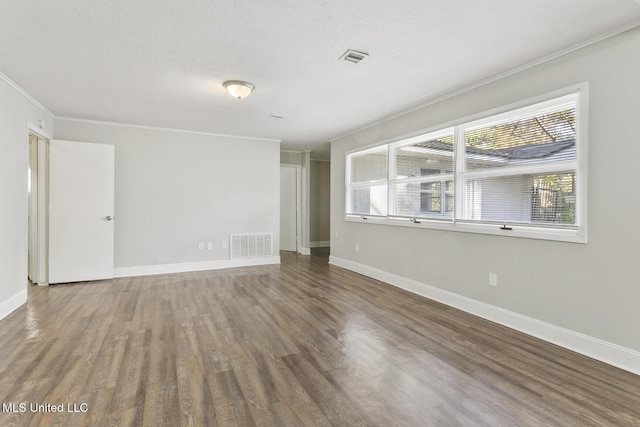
<point>238,88</point>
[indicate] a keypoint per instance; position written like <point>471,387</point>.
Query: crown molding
<point>24,93</point>
<point>222,135</point>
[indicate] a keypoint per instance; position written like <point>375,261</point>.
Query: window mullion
<point>425,178</point>
<point>391,175</point>
<point>459,169</point>
<point>555,167</point>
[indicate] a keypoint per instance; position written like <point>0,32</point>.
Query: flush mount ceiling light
<point>238,88</point>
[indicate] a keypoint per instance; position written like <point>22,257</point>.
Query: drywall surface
<point>588,288</point>
<point>17,112</point>
<point>175,190</point>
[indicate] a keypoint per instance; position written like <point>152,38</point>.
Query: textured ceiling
<point>162,62</point>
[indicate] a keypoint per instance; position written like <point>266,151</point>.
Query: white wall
<point>592,288</point>
<point>177,189</point>
<point>16,111</point>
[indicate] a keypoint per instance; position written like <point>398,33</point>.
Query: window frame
<point>394,179</point>
<point>575,233</point>
<point>364,184</point>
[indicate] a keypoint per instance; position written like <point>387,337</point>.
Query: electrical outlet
<point>357,247</point>
<point>224,244</point>
<point>201,246</point>
<point>209,246</point>
<point>493,280</point>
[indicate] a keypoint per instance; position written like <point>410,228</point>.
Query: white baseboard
<point>320,244</point>
<point>305,251</point>
<point>7,307</point>
<point>148,270</point>
<point>604,351</point>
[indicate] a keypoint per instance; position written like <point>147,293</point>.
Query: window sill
<point>540,233</point>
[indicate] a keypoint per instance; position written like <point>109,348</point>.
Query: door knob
<point>108,218</point>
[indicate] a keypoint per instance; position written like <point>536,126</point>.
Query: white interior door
<point>288,209</point>
<point>81,194</point>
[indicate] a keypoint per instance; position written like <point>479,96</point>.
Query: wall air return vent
<point>251,245</point>
<point>354,56</point>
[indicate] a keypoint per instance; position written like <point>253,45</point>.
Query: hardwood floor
<point>303,343</point>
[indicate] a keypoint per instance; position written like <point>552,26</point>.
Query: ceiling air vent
<point>354,56</point>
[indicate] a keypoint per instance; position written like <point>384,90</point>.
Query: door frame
<point>298,170</point>
<point>41,228</point>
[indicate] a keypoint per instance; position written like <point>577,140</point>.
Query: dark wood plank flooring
<point>300,344</point>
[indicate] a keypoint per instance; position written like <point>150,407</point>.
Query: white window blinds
<point>520,167</point>
<point>367,182</point>
<point>422,176</point>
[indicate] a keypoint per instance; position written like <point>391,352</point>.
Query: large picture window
<point>516,170</point>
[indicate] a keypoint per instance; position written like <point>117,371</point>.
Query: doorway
<point>70,229</point>
<point>37,191</point>
<point>290,188</point>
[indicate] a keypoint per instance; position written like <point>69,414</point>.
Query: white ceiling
<point>162,62</point>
